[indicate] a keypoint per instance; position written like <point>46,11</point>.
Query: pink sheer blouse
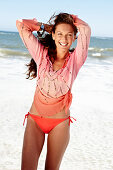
<point>53,88</point>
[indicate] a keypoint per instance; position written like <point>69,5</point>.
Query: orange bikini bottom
<point>47,124</point>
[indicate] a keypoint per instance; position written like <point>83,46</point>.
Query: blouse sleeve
<point>81,50</point>
<point>25,28</point>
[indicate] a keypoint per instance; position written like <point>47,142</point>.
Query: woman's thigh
<point>57,143</point>
<point>32,145</point>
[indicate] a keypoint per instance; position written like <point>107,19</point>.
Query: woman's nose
<point>64,38</point>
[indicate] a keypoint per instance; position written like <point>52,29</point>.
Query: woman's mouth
<point>63,44</point>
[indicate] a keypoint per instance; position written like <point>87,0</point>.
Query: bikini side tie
<point>70,119</point>
<point>26,116</point>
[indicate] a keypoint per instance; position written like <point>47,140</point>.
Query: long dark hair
<point>46,39</point>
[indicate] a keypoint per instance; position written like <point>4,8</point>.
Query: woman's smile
<point>63,44</point>
<point>63,36</point>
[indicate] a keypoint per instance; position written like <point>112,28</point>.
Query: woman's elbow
<point>88,30</point>
<point>18,21</point>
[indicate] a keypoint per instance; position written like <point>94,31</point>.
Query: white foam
<point>1,54</point>
<point>108,49</point>
<point>102,49</point>
<point>96,54</point>
<point>91,48</point>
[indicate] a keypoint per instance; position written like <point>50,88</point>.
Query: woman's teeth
<point>63,44</point>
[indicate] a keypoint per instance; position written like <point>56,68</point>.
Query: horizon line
<point>91,35</point>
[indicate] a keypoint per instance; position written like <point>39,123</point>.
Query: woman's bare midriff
<point>61,114</point>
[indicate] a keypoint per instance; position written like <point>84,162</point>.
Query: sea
<point>91,136</point>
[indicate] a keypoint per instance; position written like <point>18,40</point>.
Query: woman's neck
<point>61,55</point>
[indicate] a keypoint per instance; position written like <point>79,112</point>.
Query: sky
<point>97,13</point>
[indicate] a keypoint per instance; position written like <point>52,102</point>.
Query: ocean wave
<point>101,56</point>
<point>96,54</point>
<point>108,49</point>
<point>104,38</point>
<point>10,52</point>
<point>95,49</point>
<point>9,33</point>
<point>91,48</point>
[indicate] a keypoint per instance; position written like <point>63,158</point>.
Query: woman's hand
<point>78,21</point>
<point>48,28</point>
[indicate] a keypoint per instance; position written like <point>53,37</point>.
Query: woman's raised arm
<point>81,50</point>
<point>25,28</point>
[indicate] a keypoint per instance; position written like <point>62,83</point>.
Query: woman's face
<point>63,37</point>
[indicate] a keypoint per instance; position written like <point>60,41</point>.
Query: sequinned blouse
<point>53,88</point>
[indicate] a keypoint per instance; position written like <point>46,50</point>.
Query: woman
<point>56,67</point>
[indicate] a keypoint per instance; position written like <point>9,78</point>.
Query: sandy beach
<point>91,142</point>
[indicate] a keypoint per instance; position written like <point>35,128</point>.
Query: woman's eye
<point>70,35</point>
<point>59,34</point>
